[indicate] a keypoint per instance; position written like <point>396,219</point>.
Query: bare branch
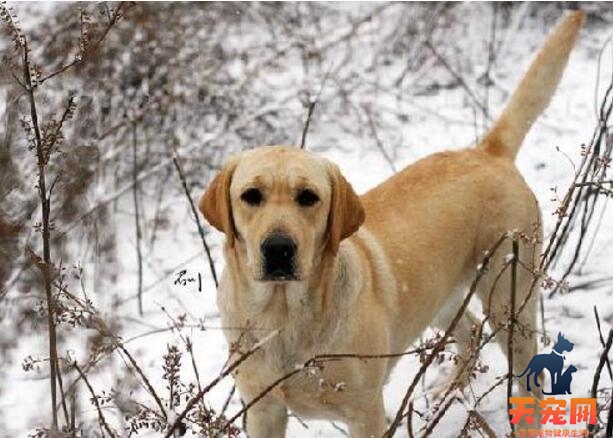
<point>102,420</point>
<point>481,270</point>
<point>207,249</point>
<point>135,189</point>
<point>45,202</point>
<point>312,103</point>
<point>243,357</point>
<point>598,371</point>
<point>513,291</point>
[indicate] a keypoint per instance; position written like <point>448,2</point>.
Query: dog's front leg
<point>267,419</point>
<point>368,419</point>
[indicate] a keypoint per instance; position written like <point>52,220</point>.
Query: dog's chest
<point>302,332</point>
<point>311,391</point>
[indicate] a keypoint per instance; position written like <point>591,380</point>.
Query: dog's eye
<point>307,198</point>
<point>252,197</point>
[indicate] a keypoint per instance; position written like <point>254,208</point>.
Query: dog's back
<point>435,218</point>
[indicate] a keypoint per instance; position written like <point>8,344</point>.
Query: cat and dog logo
<point>552,409</point>
<point>553,362</point>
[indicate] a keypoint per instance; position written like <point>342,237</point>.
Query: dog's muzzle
<point>278,257</point>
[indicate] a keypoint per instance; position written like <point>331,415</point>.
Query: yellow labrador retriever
<point>335,272</point>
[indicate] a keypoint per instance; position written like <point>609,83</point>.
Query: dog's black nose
<point>278,253</point>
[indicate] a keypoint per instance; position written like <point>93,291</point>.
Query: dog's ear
<point>215,202</point>
<point>560,336</point>
<point>346,211</point>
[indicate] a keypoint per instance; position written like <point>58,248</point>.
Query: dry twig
<point>481,270</point>
<point>139,236</point>
<point>603,358</point>
<point>513,290</point>
<point>228,370</point>
<point>207,249</point>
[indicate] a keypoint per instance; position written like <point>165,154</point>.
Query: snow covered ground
<point>435,121</point>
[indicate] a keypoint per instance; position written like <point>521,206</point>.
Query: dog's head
<point>281,208</point>
<point>563,344</point>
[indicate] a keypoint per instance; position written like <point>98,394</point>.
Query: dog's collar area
<point>559,354</point>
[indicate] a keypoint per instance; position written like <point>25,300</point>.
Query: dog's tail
<point>535,90</point>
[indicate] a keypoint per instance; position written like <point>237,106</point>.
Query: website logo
<point>552,410</point>
<point>554,363</point>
